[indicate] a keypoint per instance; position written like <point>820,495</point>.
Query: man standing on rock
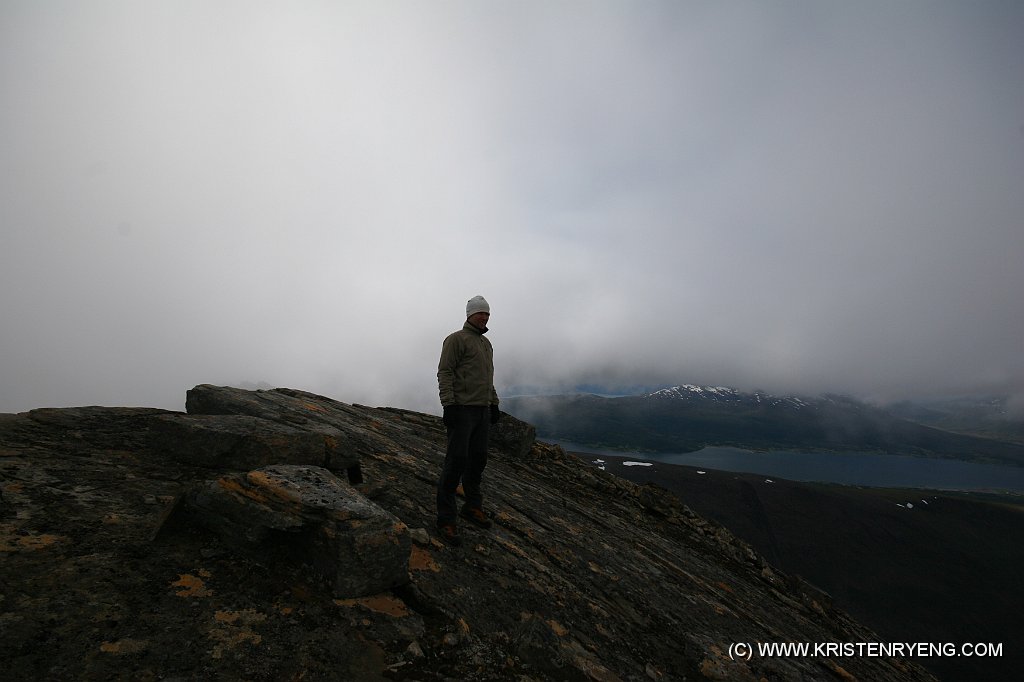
<point>465,379</point>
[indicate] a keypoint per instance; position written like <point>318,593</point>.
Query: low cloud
<point>793,198</point>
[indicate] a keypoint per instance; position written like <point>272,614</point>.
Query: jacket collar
<point>470,328</point>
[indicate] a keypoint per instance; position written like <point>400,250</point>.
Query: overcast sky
<point>792,196</point>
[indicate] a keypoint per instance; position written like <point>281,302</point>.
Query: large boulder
<point>307,515</point>
<point>513,436</point>
<point>234,442</point>
<point>341,427</point>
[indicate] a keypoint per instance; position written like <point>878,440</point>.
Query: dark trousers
<point>464,460</point>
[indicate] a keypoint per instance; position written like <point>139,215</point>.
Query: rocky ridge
<point>283,535</point>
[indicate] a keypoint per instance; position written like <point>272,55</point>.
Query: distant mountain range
<point>988,417</point>
<point>687,418</point>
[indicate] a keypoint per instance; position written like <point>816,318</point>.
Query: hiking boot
<point>476,516</point>
<point>449,534</point>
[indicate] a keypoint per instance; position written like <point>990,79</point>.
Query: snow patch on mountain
<point>724,394</point>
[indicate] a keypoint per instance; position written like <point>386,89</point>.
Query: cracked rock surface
<point>257,537</point>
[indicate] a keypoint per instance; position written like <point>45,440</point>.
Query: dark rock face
<point>234,443</point>
<point>312,516</point>
<point>297,410</point>
<point>145,544</point>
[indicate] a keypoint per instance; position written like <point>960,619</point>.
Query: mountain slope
<point>923,566</point>
<point>125,557</point>
<point>988,417</point>
<point>688,418</point>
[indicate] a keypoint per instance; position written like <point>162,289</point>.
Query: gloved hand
<point>495,414</point>
<point>449,416</point>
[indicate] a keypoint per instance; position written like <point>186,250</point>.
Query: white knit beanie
<point>477,304</point>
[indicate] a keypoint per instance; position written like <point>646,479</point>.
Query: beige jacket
<point>465,374</point>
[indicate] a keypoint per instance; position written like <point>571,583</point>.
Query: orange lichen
<point>11,541</point>
<point>397,458</point>
<point>123,646</point>
<point>387,604</point>
<point>192,586</point>
<point>265,486</point>
<point>839,671</point>
<point>229,638</point>
<point>712,670</point>
<point>558,628</point>
<point>235,629</point>
<point>34,542</point>
<point>236,487</point>
<point>421,560</point>
<point>512,548</point>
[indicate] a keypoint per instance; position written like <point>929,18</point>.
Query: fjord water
<point>865,469</point>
